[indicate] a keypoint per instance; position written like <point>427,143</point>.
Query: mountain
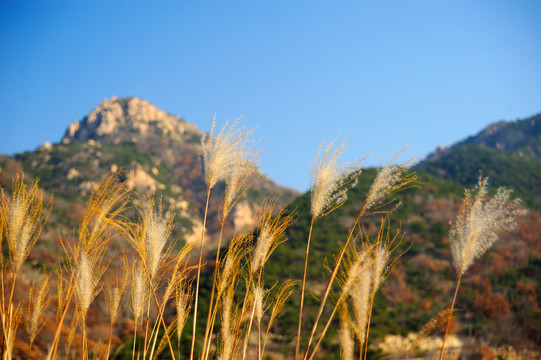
<point>509,153</point>
<point>158,152</point>
<point>499,301</point>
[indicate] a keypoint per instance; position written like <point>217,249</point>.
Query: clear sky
<point>384,73</point>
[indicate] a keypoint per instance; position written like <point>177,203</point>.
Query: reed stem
<point>450,317</point>
<point>302,290</point>
<point>199,275</point>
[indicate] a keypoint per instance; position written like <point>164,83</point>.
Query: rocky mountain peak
<point>116,117</point>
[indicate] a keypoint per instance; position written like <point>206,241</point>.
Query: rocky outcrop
<point>120,119</point>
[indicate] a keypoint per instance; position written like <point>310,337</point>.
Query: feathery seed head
<point>390,178</point>
<point>227,332</point>
<point>114,299</point>
<point>330,180</point>
<point>114,295</point>
<point>236,250</point>
<point>139,291</point>
<point>182,303</point>
<point>38,303</point>
<point>259,294</point>
<point>87,281</point>
<point>105,205</point>
<point>155,229</point>
<point>23,218</point>
<point>354,270</point>
<point>283,294</point>
<point>380,256</point>
<point>264,242</point>
<point>345,334</point>
<point>360,300</point>
<point>479,222</point>
<point>272,231</point>
<point>222,153</point>
<point>236,185</point>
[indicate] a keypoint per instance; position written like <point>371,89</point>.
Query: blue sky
<point>384,73</point>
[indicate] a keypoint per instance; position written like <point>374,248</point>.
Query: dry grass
<point>154,282</point>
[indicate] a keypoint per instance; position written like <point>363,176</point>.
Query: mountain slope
<point>159,153</point>
<point>507,152</point>
<point>499,297</point>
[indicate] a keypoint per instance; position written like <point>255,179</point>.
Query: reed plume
<point>479,222</point>
<point>329,183</point>
<point>89,271</point>
<point>38,303</point>
<point>285,291</point>
<point>114,300</point>
<point>151,236</point>
<point>183,304</point>
<point>223,155</point>
<point>345,334</point>
<point>103,211</point>
<point>389,180</point>
<point>139,291</point>
<point>270,236</point>
<point>330,180</point>
<point>360,300</point>
<point>23,219</point>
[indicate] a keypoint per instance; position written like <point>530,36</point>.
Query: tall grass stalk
<point>239,181</point>
<point>352,273</point>
<point>481,219</point>
<point>199,276</point>
<point>329,183</point>
<point>223,154</point>
<point>390,178</point>
<point>103,211</point>
<point>23,218</point>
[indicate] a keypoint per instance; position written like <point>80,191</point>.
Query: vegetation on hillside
<point>367,253</point>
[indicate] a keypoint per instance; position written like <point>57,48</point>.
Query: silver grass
<point>139,291</point>
<point>22,217</point>
<point>87,282</point>
<point>240,179</point>
<point>227,332</point>
<point>224,152</point>
<point>360,300</point>
<point>156,227</point>
<point>39,301</point>
<point>330,180</point>
<point>380,257</point>
<point>480,220</point>
<point>271,235</point>
<point>259,294</point>
<point>237,248</point>
<point>264,243</point>
<point>345,335</point>
<point>389,178</point>
<point>183,308</point>
<point>354,271</point>
<point>114,298</point>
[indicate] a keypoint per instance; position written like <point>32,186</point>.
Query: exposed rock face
<point>122,117</point>
<point>157,153</point>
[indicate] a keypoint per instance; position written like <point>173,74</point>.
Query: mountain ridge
<point>158,152</point>
<point>509,153</point>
